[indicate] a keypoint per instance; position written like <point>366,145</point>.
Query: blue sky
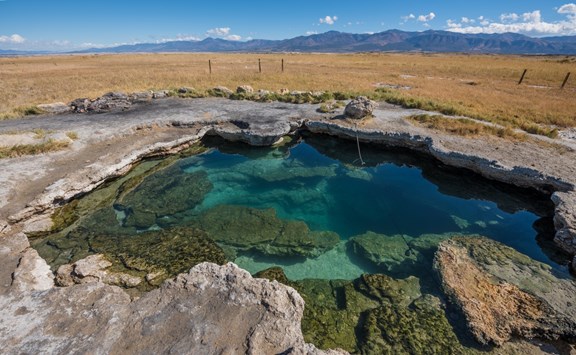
<point>66,24</point>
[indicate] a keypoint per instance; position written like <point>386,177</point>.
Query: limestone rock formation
<point>360,107</point>
<point>93,269</point>
<point>565,221</point>
<point>210,310</point>
<point>32,274</point>
<point>259,230</point>
<point>503,293</point>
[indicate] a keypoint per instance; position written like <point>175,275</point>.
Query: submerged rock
<point>160,254</point>
<point>503,293</point>
<point>374,314</point>
<point>163,194</point>
<point>422,329</point>
<point>391,253</point>
<point>261,230</point>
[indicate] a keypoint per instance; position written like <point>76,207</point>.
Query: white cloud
<point>509,17</point>
<point>534,16</point>
<point>15,38</point>
<point>218,31</point>
<point>233,37</point>
<point>408,18</point>
<point>329,20</point>
<point>567,9</point>
<point>309,33</point>
<point>426,18</point>
<point>467,20</point>
<point>530,23</point>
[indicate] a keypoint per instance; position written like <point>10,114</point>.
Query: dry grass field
<point>480,86</point>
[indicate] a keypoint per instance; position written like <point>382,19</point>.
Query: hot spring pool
<point>308,206</point>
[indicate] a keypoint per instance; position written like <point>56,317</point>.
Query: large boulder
<point>360,107</point>
<point>503,293</point>
<point>209,310</point>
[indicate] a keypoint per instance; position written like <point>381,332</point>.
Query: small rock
<point>80,105</point>
<point>33,273</point>
<point>91,265</point>
<point>57,107</point>
<point>142,96</point>
<point>283,91</point>
<point>573,266</point>
<point>221,91</point>
<point>160,94</point>
<point>360,107</point>
<point>64,275</point>
<point>185,90</point>
<point>244,89</point>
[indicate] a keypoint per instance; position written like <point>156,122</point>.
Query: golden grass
<point>479,86</point>
<point>465,127</point>
<point>32,149</point>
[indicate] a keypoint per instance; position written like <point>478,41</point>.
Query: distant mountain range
<point>392,40</point>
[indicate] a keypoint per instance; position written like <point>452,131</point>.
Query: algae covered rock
<point>261,230</point>
<point>503,293</point>
<point>164,253</point>
<point>420,329</point>
<point>384,288</point>
<point>163,194</point>
<point>391,253</point>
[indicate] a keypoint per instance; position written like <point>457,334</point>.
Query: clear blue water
<point>394,193</point>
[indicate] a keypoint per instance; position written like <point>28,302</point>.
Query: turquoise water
<point>394,193</point>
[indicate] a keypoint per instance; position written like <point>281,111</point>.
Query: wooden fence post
<point>210,66</point>
<point>565,81</point>
<point>282,65</point>
<point>259,66</point>
<point>522,77</point>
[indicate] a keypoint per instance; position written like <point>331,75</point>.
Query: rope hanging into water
<point>358,145</point>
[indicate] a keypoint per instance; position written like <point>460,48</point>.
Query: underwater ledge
<point>32,278</point>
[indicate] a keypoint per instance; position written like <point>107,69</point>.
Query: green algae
<point>374,314</point>
<point>420,329</point>
<point>163,194</point>
<point>162,253</point>
<point>260,230</point>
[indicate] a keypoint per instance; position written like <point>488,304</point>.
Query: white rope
<point>358,145</point>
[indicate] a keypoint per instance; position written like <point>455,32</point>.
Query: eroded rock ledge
<point>212,309</point>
